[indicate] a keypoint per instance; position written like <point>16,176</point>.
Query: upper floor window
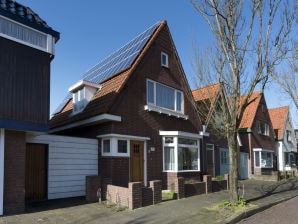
<point>26,35</point>
<point>164,96</point>
<point>79,100</point>
<point>82,93</point>
<point>164,59</point>
<point>263,128</point>
<point>289,136</point>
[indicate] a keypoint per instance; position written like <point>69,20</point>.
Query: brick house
<point>138,104</point>
<point>208,100</point>
<point>27,49</point>
<point>286,143</point>
<point>257,152</point>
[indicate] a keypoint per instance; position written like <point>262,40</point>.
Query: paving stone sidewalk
<point>196,209</point>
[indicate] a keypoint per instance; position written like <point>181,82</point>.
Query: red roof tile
<point>251,109</point>
<point>278,118</point>
<point>207,92</point>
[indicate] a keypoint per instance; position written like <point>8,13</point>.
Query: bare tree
<point>287,78</point>
<point>251,39</point>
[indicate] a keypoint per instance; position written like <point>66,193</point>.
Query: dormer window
<point>82,93</point>
<point>164,60</point>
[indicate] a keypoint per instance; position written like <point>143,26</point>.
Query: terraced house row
<point>131,118</point>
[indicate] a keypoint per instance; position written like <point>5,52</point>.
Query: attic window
<point>164,60</point>
<point>263,128</point>
<point>82,93</point>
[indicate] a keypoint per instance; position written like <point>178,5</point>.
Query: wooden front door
<point>36,172</point>
<point>136,161</point>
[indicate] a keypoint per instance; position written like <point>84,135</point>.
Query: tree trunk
<point>233,158</point>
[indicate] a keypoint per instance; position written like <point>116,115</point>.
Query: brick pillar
<point>227,178</point>
<point>135,195</point>
<point>156,189</point>
<point>104,185</point>
<point>179,187</point>
<point>92,187</point>
<point>208,183</point>
<point>14,172</point>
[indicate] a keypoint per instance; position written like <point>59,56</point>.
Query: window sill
<point>165,111</point>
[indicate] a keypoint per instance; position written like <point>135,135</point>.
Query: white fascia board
<point>82,83</point>
<point>180,134</point>
<point>129,137</point>
<point>263,150</point>
<point>96,119</point>
<point>2,131</point>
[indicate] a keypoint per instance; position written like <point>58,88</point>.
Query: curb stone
<point>251,211</point>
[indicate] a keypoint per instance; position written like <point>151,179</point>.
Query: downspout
<point>1,169</point>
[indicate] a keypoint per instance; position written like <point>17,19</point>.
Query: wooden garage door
<point>36,172</point>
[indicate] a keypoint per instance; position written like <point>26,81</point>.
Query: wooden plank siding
<point>25,83</point>
<point>70,160</point>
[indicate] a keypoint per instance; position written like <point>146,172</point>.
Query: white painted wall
<point>1,169</point>
<point>70,160</point>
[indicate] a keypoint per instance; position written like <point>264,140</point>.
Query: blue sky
<point>93,29</point>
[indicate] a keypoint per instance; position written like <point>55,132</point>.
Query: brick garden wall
<point>135,196</point>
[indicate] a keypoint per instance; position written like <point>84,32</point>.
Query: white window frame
<point>164,59</point>
<point>176,135</point>
<point>266,131</point>
<point>259,150</point>
<point>114,143</point>
<point>78,100</point>
<point>152,106</point>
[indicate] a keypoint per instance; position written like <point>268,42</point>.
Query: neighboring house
<point>138,104</point>
<point>286,143</point>
<point>257,152</point>
<point>27,48</point>
<point>217,153</point>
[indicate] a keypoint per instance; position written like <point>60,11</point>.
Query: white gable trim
<point>1,169</point>
<point>96,119</point>
<point>129,137</point>
<point>180,134</point>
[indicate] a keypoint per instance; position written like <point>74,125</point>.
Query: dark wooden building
<point>26,50</point>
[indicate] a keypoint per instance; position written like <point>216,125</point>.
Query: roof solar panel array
<point>117,62</point>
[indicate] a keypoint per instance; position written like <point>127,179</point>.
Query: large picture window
<point>164,97</point>
<point>263,159</point>
<point>180,153</point>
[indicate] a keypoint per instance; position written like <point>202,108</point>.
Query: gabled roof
<point>278,118</point>
<point>206,98</point>
<point>251,110</point>
<point>22,14</point>
<point>111,78</point>
<point>206,92</point>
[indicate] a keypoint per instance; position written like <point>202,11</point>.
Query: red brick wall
<point>135,195</point>
<point>14,172</point>
<point>116,168</point>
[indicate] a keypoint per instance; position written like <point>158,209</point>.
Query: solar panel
<point>117,62</point>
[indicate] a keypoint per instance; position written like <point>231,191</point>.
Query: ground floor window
<point>263,158</point>
<point>180,152</point>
